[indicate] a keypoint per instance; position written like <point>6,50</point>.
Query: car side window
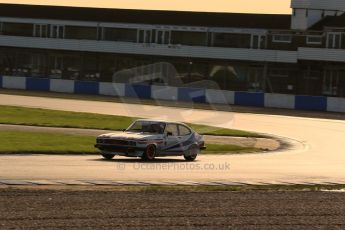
<point>183,130</point>
<point>172,128</point>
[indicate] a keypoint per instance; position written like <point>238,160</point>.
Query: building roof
<point>330,21</point>
<point>318,4</point>
<point>237,20</point>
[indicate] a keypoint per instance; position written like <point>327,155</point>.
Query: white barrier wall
<point>335,104</point>
<point>112,89</point>
<point>210,96</point>
<point>220,97</point>
<point>164,93</point>
<point>62,86</point>
<point>9,82</point>
<point>279,101</point>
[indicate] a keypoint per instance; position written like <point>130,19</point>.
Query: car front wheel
<point>108,156</point>
<point>150,153</point>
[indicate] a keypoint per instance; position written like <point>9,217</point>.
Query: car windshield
<point>147,127</point>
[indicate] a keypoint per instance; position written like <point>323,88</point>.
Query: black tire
<point>190,158</point>
<point>108,156</point>
<point>150,153</point>
<point>192,153</point>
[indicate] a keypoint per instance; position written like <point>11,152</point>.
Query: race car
<point>149,139</point>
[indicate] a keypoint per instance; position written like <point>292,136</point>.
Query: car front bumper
<point>121,150</point>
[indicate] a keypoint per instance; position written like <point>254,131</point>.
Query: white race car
<point>149,139</point>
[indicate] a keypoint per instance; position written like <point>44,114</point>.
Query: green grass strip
<point>54,118</point>
<point>20,142</point>
<point>47,143</point>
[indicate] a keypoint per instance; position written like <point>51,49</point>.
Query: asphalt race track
<point>55,209</point>
<point>318,155</point>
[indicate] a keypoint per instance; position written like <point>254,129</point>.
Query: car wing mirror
<point>169,134</point>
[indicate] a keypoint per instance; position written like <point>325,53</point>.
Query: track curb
<point>161,183</point>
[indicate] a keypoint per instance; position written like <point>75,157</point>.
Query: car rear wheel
<point>192,153</point>
<point>108,156</point>
<point>150,153</point>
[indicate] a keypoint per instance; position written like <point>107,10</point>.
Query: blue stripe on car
<point>190,141</point>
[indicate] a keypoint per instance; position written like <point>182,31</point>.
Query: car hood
<point>131,136</point>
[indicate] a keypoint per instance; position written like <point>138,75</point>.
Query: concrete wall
<point>336,104</point>
<point>279,101</point>
<point>62,86</point>
<point>220,97</point>
<point>192,95</point>
<point>164,93</point>
<point>9,82</point>
<point>86,87</point>
<point>311,103</point>
<point>112,89</point>
<point>138,91</point>
<point>250,99</point>
<point>196,95</point>
<point>38,84</point>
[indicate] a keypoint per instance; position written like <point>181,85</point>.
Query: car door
<point>171,139</point>
<point>185,137</point>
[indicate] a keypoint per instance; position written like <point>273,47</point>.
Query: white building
<point>298,54</point>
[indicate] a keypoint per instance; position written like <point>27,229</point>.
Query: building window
<point>258,41</point>
<point>57,31</point>
<point>306,13</point>
<point>17,29</point>
<point>91,67</point>
<point>334,40</point>
<point>72,66</point>
<point>189,38</point>
<point>255,79</point>
<point>55,66</point>
<point>81,32</point>
<point>41,30</point>
<point>22,63</point>
<point>231,76</point>
<point>314,40</point>
<point>232,40</point>
<point>145,36</point>
<point>163,37</point>
<point>38,64</point>
<point>120,34</point>
<point>282,38</point>
<point>330,82</point>
<point>279,80</point>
